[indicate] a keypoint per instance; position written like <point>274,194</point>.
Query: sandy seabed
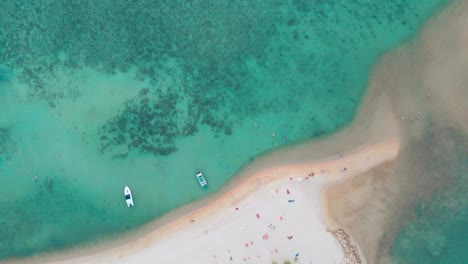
<point>272,216</point>
<point>273,211</point>
<point>333,200</point>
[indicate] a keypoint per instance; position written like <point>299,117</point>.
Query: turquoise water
<point>438,232</point>
<point>102,94</point>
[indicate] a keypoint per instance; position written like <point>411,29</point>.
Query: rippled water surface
<point>96,95</point>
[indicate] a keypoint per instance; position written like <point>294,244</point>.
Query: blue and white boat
<point>201,179</point>
<point>128,197</point>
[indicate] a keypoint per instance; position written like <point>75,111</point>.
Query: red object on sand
<point>258,216</point>
<point>281,218</point>
<point>246,244</point>
<point>237,208</point>
<point>287,191</point>
<point>265,236</point>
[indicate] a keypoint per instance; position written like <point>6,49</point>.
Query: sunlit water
<point>96,95</point>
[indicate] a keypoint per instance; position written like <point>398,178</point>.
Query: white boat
<point>128,197</point>
<point>201,179</point>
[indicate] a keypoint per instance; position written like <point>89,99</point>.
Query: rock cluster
<point>350,252</point>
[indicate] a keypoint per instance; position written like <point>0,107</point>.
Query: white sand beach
<point>271,216</point>
<point>277,209</point>
<point>212,230</point>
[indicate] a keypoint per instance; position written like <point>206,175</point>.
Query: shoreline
<point>408,91</point>
<point>374,123</point>
<point>374,155</point>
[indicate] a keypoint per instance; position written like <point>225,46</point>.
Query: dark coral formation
<point>312,50</point>
<point>210,44</point>
<point>148,123</point>
<point>228,55</point>
<point>3,75</point>
<point>7,145</point>
<point>115,36</point>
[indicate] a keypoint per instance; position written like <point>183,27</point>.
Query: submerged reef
<point>296,68</point>
<point>146,123</point>
<point>3,75</point>
<point>153,120</point>
<point>7,145</point>
<point>45,40</point>
<point>231,60</point>
<point>41,38</point>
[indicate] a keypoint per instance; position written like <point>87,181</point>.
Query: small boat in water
<point>128,197</point>
<point>201,179</point>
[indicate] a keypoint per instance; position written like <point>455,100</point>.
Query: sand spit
<point>283,228</point>
<point>375,171</point>
<point>287,224</point>
<point>356,207</point>
<point>274,215</point>
<point>424,83</point>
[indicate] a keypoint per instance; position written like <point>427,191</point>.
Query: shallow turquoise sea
<point>96,95</point>
<point>437,233</point>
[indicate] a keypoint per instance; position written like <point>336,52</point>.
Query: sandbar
<point>277,215</point>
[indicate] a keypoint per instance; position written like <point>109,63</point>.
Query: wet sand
<point>375,126</point>
<point>418,96</point>
<point>271,216</point>
<point>354,207</point>
<point>425,84</point>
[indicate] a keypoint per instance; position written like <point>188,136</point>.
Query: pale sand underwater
<point>270,216</point>
<point>416,99</point>
<point>425,83</point>
<point>370,141</point>
<point>417,95</point>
